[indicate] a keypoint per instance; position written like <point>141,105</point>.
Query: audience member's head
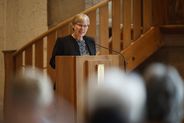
<point>164,94</point>
<point>31,96</point>
<point>33,100</point>
<point>119,98</point>
<point>30,87</point>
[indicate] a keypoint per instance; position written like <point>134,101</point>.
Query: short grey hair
<point>80,18</point>
<point>165,91</point>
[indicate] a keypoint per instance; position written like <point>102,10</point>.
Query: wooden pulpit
<point>72,73</point>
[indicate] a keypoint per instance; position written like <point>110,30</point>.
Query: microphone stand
<point>110,49</point>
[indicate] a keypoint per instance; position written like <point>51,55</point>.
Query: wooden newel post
<point>9,70</point>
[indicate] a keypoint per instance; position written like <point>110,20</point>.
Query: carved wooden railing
<point>133,35</point>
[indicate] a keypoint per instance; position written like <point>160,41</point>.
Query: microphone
<point>112,50</point>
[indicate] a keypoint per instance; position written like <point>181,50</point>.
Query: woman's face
<point>80,29</point>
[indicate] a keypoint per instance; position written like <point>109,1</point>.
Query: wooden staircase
<point>171,52</point>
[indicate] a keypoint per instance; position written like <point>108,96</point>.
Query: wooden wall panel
<point>175,12</point>
<point>159,12</point>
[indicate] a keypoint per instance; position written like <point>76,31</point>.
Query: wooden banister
<point>140,50</point>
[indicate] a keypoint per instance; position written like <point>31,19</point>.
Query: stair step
<point>172,29</point>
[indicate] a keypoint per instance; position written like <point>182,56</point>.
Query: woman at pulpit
<point>77,43</point>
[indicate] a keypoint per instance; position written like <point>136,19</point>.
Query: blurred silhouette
<point>33,100</point>
<point>164,94</point>
<point>31,95</point>
<point>119,98</point>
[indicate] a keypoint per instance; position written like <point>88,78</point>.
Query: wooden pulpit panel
<point>72,73</point>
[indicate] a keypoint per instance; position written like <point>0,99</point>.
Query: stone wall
<point>20,22</point>
<point>25,20</point>
<point>59,10</point>
<point>89,3</point>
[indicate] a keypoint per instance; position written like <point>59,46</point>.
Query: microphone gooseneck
<point>112,50</point>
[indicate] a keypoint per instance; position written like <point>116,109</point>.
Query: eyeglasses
<point>81,25</point>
